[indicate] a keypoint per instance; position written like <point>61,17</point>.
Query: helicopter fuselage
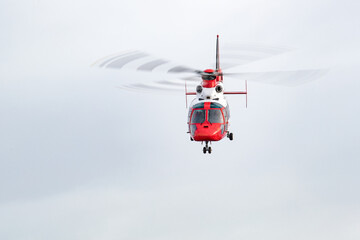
<point>209,113</point>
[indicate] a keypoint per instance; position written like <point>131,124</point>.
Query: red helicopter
<point>209,113</point>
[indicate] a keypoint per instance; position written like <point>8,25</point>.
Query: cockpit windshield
<point>198,116</point>
<point>215,116</point>
<point>208,77</point>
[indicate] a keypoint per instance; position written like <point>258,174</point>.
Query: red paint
<point>209,83</point>
<point>209,71</point>
<point>219,77</point>
<point>208,132</point>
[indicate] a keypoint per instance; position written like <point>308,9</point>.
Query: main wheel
<point>204,150</point>
<point>231,136</point>
<point>209,150</point>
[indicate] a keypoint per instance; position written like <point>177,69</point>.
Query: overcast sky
<point>82,159</point>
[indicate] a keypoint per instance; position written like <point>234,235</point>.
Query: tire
<point>231,136</point>
<point>204,150</point>
<point>191,139</point>
<point>209,150</point>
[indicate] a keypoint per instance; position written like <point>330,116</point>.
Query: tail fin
<point>217,54</point>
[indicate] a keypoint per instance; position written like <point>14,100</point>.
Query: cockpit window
<point>215,105</point>
<point>198,116</point>
<point>198,105</point>
<point>215,116</point>
<point>208,77</point>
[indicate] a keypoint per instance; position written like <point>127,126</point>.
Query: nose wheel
<point>207,148</point>
<point>230,136</point>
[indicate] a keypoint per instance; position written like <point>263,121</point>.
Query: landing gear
<point>230,136</point>
<point>207,148</point>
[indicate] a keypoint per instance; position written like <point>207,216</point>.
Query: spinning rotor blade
<point>182,69</point>
<point>120,60</point>
<point>285,78</point>
<point>231,55</point>
<point>141,86</point>
<point>159,86</point>
<point>147,88</point>
<point>240,54</point>
<point>144,62</point>
<point>149,66</point>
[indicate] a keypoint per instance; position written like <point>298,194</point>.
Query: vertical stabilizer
<point>217,54</point>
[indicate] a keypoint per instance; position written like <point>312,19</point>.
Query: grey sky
<point>81,159</point>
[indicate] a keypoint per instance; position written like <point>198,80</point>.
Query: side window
<point>228,111</point>
<point>225,114</point>
<point>190,110</point>
<point>192,129</point>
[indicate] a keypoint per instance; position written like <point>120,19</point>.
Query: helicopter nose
<point>207,132</point>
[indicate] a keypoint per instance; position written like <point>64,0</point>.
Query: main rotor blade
<point>183,69</point>
<point>120,61</point>
<point>162,86</point>
<point>285,78</point>
<point>149,66</point>
<point>144,62</point>
<point>231,55</point>
<point>150,88</point>
<point>240,54</point>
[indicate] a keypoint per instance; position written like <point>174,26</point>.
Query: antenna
<point>186,94</point>
<point>240,92</point>
<point>217,54</point>
<point>246,91</point>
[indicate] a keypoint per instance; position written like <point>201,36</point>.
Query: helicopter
<point>209,112</point>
